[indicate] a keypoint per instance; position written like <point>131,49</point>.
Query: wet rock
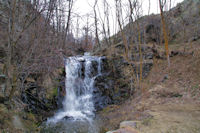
<point>94,68</point>
<point>68,118</point>
<point>100,82</point>
<point>82,70</point>
<point>105,65</point>
<point>101,102</point>
<point>102,92</point>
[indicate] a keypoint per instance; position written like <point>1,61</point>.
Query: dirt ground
<point>171,101</point>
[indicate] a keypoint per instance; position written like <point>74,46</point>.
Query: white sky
<point>83,7</point>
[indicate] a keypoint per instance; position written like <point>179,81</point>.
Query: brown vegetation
<point>36,36</point>
<point>170,101</point>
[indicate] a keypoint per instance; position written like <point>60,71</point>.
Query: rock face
<point>44,97</point>
<point>118,82</point>
<point>122,75</point>
<point>101,94</point>
<point>35,100</point>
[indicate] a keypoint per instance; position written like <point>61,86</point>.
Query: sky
<point>84,7</point>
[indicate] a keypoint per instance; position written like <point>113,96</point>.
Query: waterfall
<point>78,103</point>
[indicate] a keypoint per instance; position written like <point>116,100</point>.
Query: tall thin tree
<point>165,33</point>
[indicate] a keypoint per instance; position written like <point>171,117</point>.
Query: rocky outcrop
<point>102,92</point>
<point>124,74</point>
<point>121,74</point>
<point>35,103</point>
<point>42,98</point>
<point>126,127</point>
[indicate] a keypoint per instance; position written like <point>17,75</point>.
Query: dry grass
<point>171,103</point>
<point>183,74</point>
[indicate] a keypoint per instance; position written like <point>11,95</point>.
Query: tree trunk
<point>164,32</point>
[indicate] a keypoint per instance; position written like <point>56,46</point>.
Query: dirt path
<point>172,118</point>
<point>159,111</point>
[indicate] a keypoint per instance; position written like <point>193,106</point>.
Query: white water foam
<point>78,102</point>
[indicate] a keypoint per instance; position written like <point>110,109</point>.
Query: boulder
<point>124,130</point>
<point>126,127</point>
<point>132,124</point>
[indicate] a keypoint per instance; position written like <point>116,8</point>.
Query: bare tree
<point>120,19</point>
<point>107,15</point>
<point>70,6</point>
<point>14,35</point>
<point>165,33</point>
<point>97,42</point>
<point>35,32</point>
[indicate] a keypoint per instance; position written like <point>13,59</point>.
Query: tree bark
<point>164,31</point>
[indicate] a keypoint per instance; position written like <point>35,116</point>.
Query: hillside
<point>170,100</point>
<point>123,85</point>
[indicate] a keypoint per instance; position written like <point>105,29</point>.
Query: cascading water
<point>78,104</point>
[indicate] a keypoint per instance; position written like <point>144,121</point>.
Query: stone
<point>124,130</point>
<point>132,124</point>
<point>68,118</point>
